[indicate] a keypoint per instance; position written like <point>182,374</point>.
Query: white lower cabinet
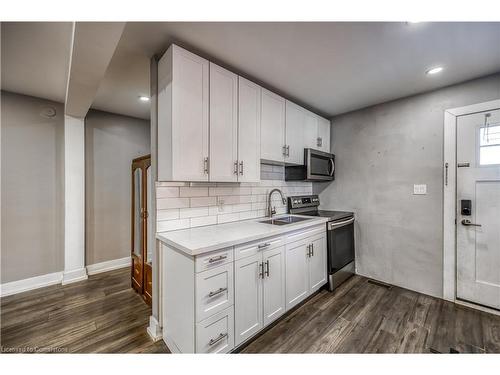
<point>259,291</point>
<point>214,302</point>
<point>216,334</point>
<point>306,266</point>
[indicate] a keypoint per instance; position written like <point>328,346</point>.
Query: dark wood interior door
<point>142,233</point>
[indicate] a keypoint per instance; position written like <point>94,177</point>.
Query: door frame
<point>450,198</point>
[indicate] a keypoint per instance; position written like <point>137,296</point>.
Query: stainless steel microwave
<point>318,166</point>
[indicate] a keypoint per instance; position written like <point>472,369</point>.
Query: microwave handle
<point>332,164</point>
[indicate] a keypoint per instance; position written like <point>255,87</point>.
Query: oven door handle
<point>334,225</point>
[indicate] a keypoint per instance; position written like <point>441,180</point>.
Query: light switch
<point>420,189</point>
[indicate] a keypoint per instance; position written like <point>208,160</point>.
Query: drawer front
<point>252,248</point>
<point>306,233</point>
<point>214,259</point>
<point>214,291</point>
<point>216,334</point>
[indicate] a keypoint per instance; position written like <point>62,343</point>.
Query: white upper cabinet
<point>272,126</point>
<point>323,141</point>
<point>295,122</point>
<point>223,165</point>
<point>183,123</point>
<point>310,130</point>
<point>249,125</point>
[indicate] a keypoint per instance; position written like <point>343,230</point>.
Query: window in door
<point>489,145</point>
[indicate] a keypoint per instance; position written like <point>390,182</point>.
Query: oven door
<point>320,165</point>
<point>340,244</point>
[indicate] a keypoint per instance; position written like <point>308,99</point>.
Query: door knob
<point>468,223</point>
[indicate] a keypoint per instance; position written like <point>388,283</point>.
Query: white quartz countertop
<point>199,240</point>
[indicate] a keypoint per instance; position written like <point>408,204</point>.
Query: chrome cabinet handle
<point>235,171</point>
<point>288,150</point>
<point>312,249</point>
<point>216,259</point>
<point>218,291</point>
<point>267,268</point>
<point>241,168</point>
<point>468,223</point>
<point>261,270</point>
<point>308,251</point>
<point>205,165</point>
<point>319,141</point>
<point>217,339</point>
<point>263,245</point>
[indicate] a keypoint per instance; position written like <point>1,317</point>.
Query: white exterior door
<point>249,102</point>
<point>248,297</point>
<point>223,124</point>
<point>297,273</point>
<point>274,284</point>
<point>189,116</point>
<point>478,182</point>
<point>272,126</point>
<point>317,264</point>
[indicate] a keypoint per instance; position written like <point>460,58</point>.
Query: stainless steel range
<point>340,237</point>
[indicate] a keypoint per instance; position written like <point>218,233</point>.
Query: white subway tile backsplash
<point>203,201</point>
<point>182,205</point>
<point>193,212</point>
<point>167,192</point>
<point>205,220</point>
<point>163,203</point>
<point>194,191</point>
<point>169,214</point>
<point>164,226</point>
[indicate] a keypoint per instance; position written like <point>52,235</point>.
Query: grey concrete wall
<point>381,151</point>
<point>111,142</point>
<point>32,187</point>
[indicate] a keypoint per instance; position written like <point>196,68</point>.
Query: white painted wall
<point>74,199</point>
<point>381,151</point>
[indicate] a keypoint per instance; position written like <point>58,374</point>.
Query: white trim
<point>74,276</point>
<point>449,197</point>
<point>109,265</point>
<point>31,283</point>
<point>154,330</point>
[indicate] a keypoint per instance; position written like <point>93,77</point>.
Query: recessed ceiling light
<point>143,98</point>
<point>435,70</point>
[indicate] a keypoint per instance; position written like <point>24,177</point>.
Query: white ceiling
<point>329,67</point>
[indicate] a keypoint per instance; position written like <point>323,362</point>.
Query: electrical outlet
<point>420,189</point>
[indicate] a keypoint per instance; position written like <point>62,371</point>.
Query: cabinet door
<point>311,130</point>
<point>248,297</point>
<point>274,284</point>
<point>317,263</point>
<point>295,142</point>
<point>272,126</point>
<point>249,102</point>
<point>223,124</point>
<point>323,134</point>
<point>189,116</point>
<point>297,273</point>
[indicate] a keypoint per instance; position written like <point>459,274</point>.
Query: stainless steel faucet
<point>272,210</point>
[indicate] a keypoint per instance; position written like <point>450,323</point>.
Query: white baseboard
<point>74,276</point>
<point>109,265</point>
<point>36,282</point>
<point>154,329</point>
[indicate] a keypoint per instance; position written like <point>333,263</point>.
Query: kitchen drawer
<point>306,233</point>
<point>213,259</point>
<point>252,248</point>
<point>214,291</point>
<point>216,334</point>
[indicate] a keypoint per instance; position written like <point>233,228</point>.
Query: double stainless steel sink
<point>284,220</point>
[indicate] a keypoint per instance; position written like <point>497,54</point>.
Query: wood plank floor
<point>99,315</point>
<point>104,315</point>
